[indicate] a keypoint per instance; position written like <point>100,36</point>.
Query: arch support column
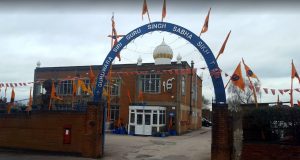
<point>220,147</point>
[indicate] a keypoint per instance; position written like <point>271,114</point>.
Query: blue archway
<point>203,48</point>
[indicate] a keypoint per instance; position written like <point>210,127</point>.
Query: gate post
<point>220,147</point>
<point>93,136</point>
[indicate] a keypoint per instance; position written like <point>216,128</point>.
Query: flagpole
<point>112,35</point>
<point>148,16</point>
<point>291,92</point>
<point>227,83</point>
<point>251,84</point>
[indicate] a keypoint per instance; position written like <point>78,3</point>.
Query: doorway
<point>146,120</point>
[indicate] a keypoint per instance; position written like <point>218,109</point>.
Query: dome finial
<point>179,58</point>
<point>139,61</point>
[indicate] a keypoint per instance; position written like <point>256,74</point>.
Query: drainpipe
<point>191,85</point>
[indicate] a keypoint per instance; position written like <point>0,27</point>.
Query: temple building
<point>144,98</point>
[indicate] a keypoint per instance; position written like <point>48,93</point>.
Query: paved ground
<point>191,146</point>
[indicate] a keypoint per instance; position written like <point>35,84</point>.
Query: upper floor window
<point>150,83</point>
<point>65,88</point>
<point>115,87</point>
<point>183,85</point>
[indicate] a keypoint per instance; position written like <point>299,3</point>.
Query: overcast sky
<point>72,33</point>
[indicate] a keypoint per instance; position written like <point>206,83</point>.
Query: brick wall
<point>44,131</point>
<point>220,147</point>
<point>270,152</point>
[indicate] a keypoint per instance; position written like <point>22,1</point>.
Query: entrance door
<point>139,128</point>
<point>148,127</point>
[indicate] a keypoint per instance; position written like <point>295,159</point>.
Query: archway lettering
<point>202,47</point>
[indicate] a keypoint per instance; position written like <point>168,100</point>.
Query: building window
<point>162,117</point>
<point>150,83</point>
<point>183,85</point>
<point>86,82</point>
<point>65,88</point>
<point>114,112</point>
<point>154,120</point>
<point>115,87</point>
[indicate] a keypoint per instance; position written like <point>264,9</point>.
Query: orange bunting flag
<point>83,86</point>
<point>141,97</point>
<point>129,97</point>
<point>249,72</point>
<point>74,89</point>
<point>145,10</point>
<point>92,77</point>
<point>237,78</point>
<point>53,93</point>
<point>205,25</point>
<point>294,72</point>
<point>223,46</point>
<point>164,11</point>
<point>12,97</point>
<point>298,103</point>
<point>89,90</point>
<point>105,93</point>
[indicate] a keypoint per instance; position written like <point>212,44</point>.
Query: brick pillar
<point>220,148</point>
<point>92,139</point>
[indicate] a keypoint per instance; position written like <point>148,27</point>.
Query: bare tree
<point>236,96</point>
<point>205,103</point>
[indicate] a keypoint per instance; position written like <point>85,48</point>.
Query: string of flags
<point>20,84</point>
<point>127,73</point>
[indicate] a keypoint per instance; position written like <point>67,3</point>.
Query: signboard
<point>175,29</point>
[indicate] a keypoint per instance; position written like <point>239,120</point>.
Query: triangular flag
<point>237,78</point>
<point>294,72</point>
<point>82,86</point>
<point>145,10</point>
<point>257,89</point>
<point>280,91</point>
<point>205,25</point>
<point>12,97</point>
<point>105,92</point>
<point>298,103</point>
<point>266,90</point>
<point>164,11</point>
<point>286,90</point>
<point>223,46</point>
<point>74,88</point>
<point>53,93</point>
<point>129,97</point>
<point>89,90</point>
<point>249,72</point>
<point>297,89</point>
<point>141,96</point>
<point>273,91</point>
<point>92,77</point>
